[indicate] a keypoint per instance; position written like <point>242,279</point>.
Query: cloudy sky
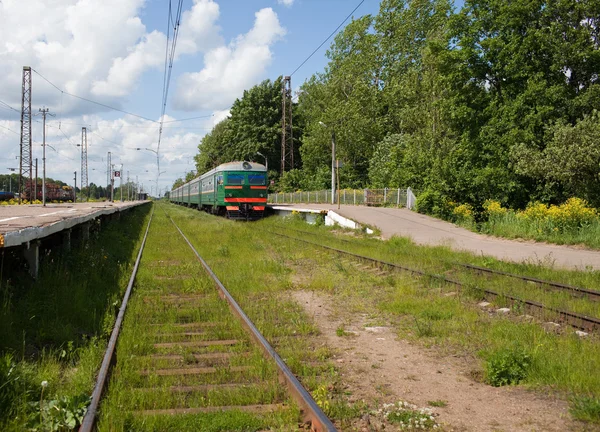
<point>113,52</point>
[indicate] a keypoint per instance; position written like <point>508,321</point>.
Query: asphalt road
<point>426,230</point>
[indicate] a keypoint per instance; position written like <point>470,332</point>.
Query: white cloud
<point>93,49</point>
<point>228,70</point>
<point>287,3</point>
<point>124,72</point>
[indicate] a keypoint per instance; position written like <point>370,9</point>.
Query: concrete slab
<point>22,224</point>
<point>426,230</point>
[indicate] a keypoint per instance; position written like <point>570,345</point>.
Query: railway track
<point>189,358</point>
<point>579,321</point>
<point>546,284</point>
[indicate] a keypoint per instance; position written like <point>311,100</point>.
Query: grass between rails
<point>509,350</point>
<point>176,302</point>
<point>257,276</point>
<point>54,330</point>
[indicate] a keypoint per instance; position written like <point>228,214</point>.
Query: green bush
<point>506,367</point>
<point>434,203</point>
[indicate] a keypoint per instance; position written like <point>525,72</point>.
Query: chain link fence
<point>386,197</point>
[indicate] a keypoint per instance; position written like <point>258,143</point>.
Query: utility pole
<point>75,187</point>
<point>121,182</point>
<point>36,179</point>
<point>84,164</point>
<point>108,177</point>
<point>25,165</point>
<point>112,183</point>
<point>44,112</point>
<point>128,185</point>
<point>287,139</point>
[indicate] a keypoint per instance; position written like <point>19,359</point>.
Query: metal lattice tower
<point>25,166</point>
<point>84,165</point>
<point>287,139</point>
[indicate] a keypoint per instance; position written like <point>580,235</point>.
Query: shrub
<point>463,213</point>
<point>434,203</point>
<point>494,210</point>
<point>569,216</point>
<point>506,367</point>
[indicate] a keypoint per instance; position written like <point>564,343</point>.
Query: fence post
<point>398,200</point>
<point>384,195</point>
<point>326,200</point>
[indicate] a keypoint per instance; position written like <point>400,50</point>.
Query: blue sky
<point>112,51</point>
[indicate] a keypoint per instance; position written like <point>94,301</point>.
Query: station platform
<point>25,223</point>
<point>426,230</point>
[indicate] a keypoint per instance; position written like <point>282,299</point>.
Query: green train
<point>237,190</point>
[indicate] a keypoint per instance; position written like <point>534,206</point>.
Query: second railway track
<point>188,360</point>
<point>577,320</point>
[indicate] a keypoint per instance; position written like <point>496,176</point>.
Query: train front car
<point>243,186</point>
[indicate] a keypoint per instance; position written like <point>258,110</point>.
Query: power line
<point>9,129</point>
<point>169,58</point>
<point>328,37</point>
<point>4,104</point>
<point>91,101</point>
<point>190,118</point>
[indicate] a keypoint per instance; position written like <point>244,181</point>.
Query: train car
<point>5,196</point>
<point>237,190</point>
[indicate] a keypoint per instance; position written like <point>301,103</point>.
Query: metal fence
<point>386,197</point>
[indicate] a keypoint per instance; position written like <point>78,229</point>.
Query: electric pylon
<point>25,166</point>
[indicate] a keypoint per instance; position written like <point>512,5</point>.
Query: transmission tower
<point>25,167</point>
<point>84,165</point>
<point>287,139</point>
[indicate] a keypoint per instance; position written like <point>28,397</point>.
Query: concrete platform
<point>426,230</point>
<point>22,224</point>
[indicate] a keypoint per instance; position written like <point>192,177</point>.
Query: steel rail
<point>90,416</point>
<point>591,294</point>
<point>312,412</point>
<point>574,319</point>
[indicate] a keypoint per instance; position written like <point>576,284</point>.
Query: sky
<point>113,52</point>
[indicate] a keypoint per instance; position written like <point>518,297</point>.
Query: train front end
<point>244,191</point>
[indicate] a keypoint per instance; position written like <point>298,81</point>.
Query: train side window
<point>256,179</point>
<point>220,180</point>
<point>235,179</point>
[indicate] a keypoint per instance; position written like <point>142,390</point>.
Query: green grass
<point>258,277</point>
<point>509,350</point>
<point>443,261</point>
<point>54,329</point>
<point>239,374</point>
<point>510,226</point>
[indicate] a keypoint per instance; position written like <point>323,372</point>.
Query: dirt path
<point>378,367</point>
<point>430,231</point>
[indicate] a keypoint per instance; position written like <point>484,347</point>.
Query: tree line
<point>496,100</point>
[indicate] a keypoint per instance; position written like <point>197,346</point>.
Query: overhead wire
<point>169,58</point>
<point>90,100</point>
<point>328,37</point>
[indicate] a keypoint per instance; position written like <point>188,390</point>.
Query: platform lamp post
<point>332,162</point>
<point>44,112</point>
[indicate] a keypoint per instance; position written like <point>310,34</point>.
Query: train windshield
<point>235,179</point>
<point>256,179</point>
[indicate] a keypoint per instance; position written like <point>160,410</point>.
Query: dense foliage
<point>495,101</point>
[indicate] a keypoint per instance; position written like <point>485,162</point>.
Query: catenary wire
<point>328,37</point>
